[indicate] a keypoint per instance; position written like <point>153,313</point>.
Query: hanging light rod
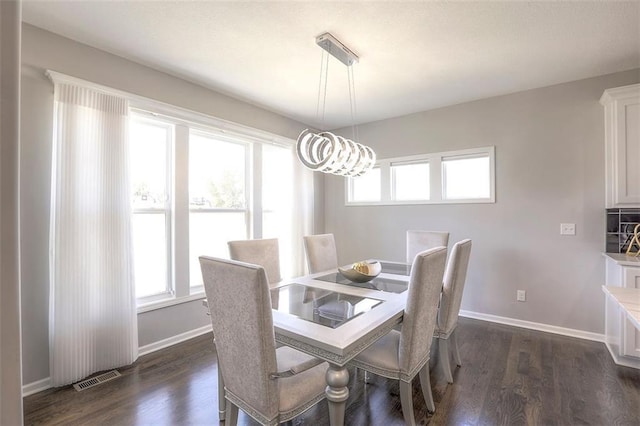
<point>337,49</point>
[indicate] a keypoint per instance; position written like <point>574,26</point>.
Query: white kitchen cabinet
<point>621,336</point>
<point>622,145</point>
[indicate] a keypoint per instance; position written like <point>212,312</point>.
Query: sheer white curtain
<point>92,315</point>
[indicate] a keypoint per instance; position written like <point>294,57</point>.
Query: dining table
<point>332,318</point>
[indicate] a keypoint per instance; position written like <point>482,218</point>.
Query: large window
<point>150,149</point>
<point>466,176</point>
<point>194,189</point>
<point>218,183</point>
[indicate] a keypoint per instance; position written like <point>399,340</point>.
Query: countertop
<point>623,260</point>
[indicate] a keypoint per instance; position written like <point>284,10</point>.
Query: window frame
<point>184,122</point>
<point>249,189</point>
<point>436,178</point>
<point>167,210</point>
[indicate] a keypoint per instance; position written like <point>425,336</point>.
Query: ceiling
<point>414,56</point>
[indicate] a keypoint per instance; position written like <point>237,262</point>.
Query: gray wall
<point>10,373</point>
<point>549,169</point>
<point>43,50</point>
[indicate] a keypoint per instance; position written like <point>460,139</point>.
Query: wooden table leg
<point>337,378</point>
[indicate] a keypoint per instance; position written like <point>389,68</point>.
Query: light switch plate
<point>567,229</point>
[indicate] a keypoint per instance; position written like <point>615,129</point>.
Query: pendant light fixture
<point>324,151</point>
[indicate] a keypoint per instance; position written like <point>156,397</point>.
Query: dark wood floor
<point>510,376</point>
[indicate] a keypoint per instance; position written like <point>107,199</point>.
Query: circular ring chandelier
<point>329,153</point>
<point>324,151</point>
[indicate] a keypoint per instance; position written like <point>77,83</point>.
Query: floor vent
<point>95,381</point>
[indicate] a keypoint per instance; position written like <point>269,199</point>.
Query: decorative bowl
<point>362,272</point>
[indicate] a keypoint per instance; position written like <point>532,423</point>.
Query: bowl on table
<point>361,272</point>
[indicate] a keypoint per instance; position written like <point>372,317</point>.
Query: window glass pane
<point>150,253</point>
<point>366,187</point>
<point>208,236</point>
<point>464,178</point>
<point>277,196</point>
<point>410,181</point>
<point>149,169</point>
<point>216,173</point>
<point>148,149</point>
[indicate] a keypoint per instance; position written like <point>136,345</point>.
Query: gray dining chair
<point>404,354</point>
<point>450,300</point>
<point>265,253</point>
<point>418,241</point>
<point>270,385</point>
<point>321,252</point>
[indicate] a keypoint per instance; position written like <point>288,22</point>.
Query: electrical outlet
<point>567,229</point>
<point>521,296</point>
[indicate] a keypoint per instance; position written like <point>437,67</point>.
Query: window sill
<point>164,303</point>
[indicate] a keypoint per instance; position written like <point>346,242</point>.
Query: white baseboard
<point>161,344</point>
<point>44,384</point>
<point>623,360</point>
<point>35,387</point>
<point>580,334</point>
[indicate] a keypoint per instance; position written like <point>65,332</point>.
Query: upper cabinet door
<point>622,145</point>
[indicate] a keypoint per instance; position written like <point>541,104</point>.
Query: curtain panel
<point>92,315</point>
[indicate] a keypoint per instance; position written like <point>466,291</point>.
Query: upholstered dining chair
<point>270,385</point>
<point>418,241</point>
<point>404,354</point>
<point>450,300</point>
<point>321,252</point>
<point>265,253</point>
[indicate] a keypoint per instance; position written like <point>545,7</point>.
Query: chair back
<point>241,317</point>
<point>265,253</point>
<point>418,241</point>
<point>454,279</point>
<point>418,324</point>
<point>321,252</point>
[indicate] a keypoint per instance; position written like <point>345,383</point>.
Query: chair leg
<point>456,351</point>
<point>221,398</point>
<point>443,357</point>
<point>406,401</point>
<point>425,383</point>
<point>232,414</point>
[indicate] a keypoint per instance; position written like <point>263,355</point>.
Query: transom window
<point>466,176</point>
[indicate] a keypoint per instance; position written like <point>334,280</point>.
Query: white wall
<point>43,50</point>
<point>549,169</point>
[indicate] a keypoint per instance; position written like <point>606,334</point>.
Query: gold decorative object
<point>362,272</point>
<point>634,241</point>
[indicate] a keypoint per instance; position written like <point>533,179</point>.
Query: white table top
<point>628,299</point>
<point>341,344</point>
<point>623,260</point>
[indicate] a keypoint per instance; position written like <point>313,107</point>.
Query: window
<point>277,200</point>
<point>466,176</point>
<point>150,148</point>
<point>194,188</point>
<point>218,185</point>
<point>365,188</point>
<point>410,181</point>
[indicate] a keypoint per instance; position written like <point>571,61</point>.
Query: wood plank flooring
<point>510,376</point>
